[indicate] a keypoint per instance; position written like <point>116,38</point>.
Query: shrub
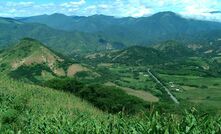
<point>204,87</point>
<point>29,72</point>
<point>216,84</point>
<point>10,116</point>
<point>66,84</point>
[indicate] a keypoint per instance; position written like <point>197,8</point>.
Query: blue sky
<point>201,9</point>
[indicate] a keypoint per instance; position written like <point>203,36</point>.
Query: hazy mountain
<point>71,34</point>
<point>132,31</point>
<point>61,41</point>
<point>69,23</point>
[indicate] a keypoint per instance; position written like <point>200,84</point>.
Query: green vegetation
<point>202,91</point>
<point>109,99</point>
<point>31,73</point>
<point>32,109</point>
<point>31,61</point>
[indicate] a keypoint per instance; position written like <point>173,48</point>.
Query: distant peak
<point>101,16</point>
<point>166,13</point>
<point>28,39</point>
<point>29,42</point>
<point>58,14</point>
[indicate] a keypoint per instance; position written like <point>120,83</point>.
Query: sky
<point>200,9</point>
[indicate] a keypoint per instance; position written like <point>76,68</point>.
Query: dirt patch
<point>59,71</point>
<point>36,58</point>
<point>95,55</point>
<point>105,65</point>
<point>73,69</point>
<point>144,95</point>
<point>209,51</point>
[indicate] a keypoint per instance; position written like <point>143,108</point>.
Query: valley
<point>188,89</point>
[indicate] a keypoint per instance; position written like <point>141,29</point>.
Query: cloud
<point>14,9</point>
<point>19,4</point>
<point>201,9</point>
<point>73,3</point>
<point>120,8</point>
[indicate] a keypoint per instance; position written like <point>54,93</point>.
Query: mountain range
<point>77,35</point>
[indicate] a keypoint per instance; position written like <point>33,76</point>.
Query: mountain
<point>71,35</point>
<point>9,21</point>
<point>31,60</point>
<point>60,41</point>
<point>58,21</point>
<point>175,49</point>
<point>136,55</point>
<point>170,57</point>
<point>131,31</point>
<point>70,23</point>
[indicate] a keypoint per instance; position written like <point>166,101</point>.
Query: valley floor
<point>191,90</point>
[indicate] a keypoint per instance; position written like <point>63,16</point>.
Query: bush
<point>66,84</point>
<point>216,84</point>
<point>10,116</point>
<point>204,87</point>
<point>29,72</point>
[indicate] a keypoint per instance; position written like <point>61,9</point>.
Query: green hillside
<point>171,56</point>
<point>162,53</point>
<point>30,60</point>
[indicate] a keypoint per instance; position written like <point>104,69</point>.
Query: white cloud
<point>122,8</point>
<point>201,9</point>
<point>103,6</point>
<point>73,3</point>
<point>19,4</point>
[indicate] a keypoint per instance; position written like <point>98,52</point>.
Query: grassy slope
<point>27,107</point>
<point>32,109</point>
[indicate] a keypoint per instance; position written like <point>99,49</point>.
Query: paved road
<point>166,89</point>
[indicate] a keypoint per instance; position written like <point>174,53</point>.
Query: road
<point>165,88</point>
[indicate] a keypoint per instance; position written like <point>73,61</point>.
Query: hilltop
<point>31,59</point>
<point>161,53</point>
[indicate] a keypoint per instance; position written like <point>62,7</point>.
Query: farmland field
<point>199,90</point>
